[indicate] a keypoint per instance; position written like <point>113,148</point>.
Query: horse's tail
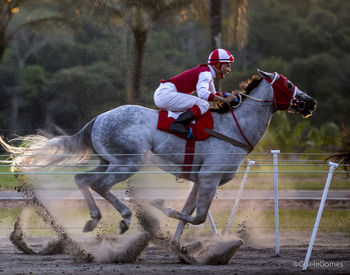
<point>37,151</point>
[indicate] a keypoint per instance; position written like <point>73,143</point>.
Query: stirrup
<point>189,135</point>
<point>183,131</point>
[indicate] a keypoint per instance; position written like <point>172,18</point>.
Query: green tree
<point>326,138</point>
<point>77,94</point>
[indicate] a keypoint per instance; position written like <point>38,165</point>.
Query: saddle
<point>198,127</point>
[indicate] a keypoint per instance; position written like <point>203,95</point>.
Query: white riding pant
<point>167,97</point>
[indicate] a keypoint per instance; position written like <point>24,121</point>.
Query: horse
<point>123,136</point>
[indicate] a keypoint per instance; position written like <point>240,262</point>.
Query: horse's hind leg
<point>101,183</point>
<point>84,181</point>
<point>117,204</point>
<point>113,175</point>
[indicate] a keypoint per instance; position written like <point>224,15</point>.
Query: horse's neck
<point>253,117</point>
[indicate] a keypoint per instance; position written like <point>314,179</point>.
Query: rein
<point>240,130</point>
<point>234,142</point>
<point>254,98</point>
<point>229,140</point>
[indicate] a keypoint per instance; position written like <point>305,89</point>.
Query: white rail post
<point>238,196</point>
<point>211,220</point>
<point>332,166</point>
<point>275,183</point>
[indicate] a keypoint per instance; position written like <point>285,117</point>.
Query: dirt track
<point>332,257</point>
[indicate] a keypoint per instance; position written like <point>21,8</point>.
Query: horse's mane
<point>250,84</point>
<point>245,87</point>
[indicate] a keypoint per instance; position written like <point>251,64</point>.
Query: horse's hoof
<point>159,203</point>
<point>194,247</point>
<point>123,226</point>
<point>221,253</point>
<point>183,254</point>
<point>175,245</point>
<point>90,225</point>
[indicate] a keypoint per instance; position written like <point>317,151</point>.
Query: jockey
<point>174,94</point>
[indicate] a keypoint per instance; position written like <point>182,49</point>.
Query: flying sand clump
<point>73,248</point>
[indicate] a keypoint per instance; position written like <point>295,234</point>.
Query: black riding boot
<point>178,126</point>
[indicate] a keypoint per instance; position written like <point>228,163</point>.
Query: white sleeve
<point>205,85</point>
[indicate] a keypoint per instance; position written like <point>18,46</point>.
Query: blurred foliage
<point>32,79</point>
<point>67,61</point>
<point>301,137</point>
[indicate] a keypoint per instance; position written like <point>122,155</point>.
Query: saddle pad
<point>198,128</point>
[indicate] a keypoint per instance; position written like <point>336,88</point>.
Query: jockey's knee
<point>203,106</point>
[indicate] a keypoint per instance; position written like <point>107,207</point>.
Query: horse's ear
<point>266,74</point>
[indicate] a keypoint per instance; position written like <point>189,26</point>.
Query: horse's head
<point>287,96</point>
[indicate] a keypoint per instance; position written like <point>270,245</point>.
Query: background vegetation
<point>64,62</point>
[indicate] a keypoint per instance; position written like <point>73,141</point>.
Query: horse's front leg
<point>188,209</point>
<point>206,192</point>
<point>205,195</point>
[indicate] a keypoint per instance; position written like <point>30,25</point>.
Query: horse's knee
<point>126,213</point>
<point>199,219</point>
<point>98,189</point>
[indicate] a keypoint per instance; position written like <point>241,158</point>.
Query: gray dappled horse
<point>122,136</point>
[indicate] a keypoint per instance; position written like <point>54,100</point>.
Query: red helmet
<point>220,56</point>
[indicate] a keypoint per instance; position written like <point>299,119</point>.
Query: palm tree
<point>139,16</point>
<point>228,20</point>
<point>228,23</point>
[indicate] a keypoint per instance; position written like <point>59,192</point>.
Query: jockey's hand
<point>230,97</point>
<point>227,98</point>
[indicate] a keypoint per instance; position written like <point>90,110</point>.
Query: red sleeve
<point>211,97</point>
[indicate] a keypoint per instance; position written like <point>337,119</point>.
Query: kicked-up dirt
<point>157,260</point>
<point>330,255</point>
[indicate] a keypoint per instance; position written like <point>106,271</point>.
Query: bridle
<point>284,94</point>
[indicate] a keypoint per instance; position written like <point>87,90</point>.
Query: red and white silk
<point>175,94</point>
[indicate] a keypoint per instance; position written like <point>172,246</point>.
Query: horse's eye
<point>290,85</point>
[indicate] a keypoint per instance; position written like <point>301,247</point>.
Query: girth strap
<point>228,139</point>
